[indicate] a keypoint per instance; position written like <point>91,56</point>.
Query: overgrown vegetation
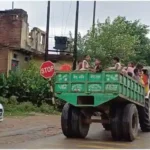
<point>27,85</point>
<point>119,37</point>
<point>13,107</point>
<point>25,91</point>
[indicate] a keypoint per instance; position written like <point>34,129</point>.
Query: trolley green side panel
<point>102,87</point>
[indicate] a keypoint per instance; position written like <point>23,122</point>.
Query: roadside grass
<point>28,109</point>
<point>13,108</point>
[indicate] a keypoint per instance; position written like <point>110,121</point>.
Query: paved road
<point>96,139</point>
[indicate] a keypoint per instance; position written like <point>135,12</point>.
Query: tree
<point>143,48</point>
<point>122,38</point>
<point>80,44</point>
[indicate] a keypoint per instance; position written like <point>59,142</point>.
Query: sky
<point>62,15</point>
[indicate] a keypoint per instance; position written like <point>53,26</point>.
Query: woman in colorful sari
<point>145,79</point>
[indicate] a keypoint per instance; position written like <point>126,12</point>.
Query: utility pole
<point>12,4</point>
<point>76,34</point>
<point>47,31</point>
<point>93,29</point>
<point>94,11</point>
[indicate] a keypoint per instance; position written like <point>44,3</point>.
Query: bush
<point>60,104</point>
<point>26,107</point>
<point>13,100</point>
<point>3,101</point>
<point>25,85</point>
<point>45,108</point>
<point>12,107</point>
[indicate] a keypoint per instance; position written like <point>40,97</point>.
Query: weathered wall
<point>20,58</point>
<point>10,27</point>
<point>58,64</point>
<point>37,40</point>
<point>38,60</point>
<point>24,35</point>
<point>3,60</point>
<point>14,35</point>
<point>14,31</point>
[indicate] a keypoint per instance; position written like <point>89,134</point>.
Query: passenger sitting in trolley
<point>97,67</point>
<point>85,63</point>
<point>117,65</point>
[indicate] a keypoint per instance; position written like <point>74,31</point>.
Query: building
<point>18,46</point>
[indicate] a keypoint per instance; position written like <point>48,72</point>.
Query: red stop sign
<point>47,69</point>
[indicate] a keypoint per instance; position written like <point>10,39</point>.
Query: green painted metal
<point>104,86</point>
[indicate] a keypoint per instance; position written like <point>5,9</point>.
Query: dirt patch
<point>21,129</point>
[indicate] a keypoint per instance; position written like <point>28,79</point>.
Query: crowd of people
<point>135,71</point>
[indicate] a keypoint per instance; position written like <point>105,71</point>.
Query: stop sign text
<point>47,69</point>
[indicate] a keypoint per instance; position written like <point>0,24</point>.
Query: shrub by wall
<point>26,85</point>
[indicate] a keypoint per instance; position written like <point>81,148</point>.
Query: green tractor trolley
<point>118,99</point>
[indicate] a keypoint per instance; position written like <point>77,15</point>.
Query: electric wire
<point>62,18</point>
<point>68,17</point>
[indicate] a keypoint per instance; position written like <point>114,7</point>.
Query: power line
<point>53,21</point>
<point>68,17</point>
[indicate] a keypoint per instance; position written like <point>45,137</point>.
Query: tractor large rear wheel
<point>66,120</point>
<point>144,116</point>
<point>116,122</point>
<point>80,127</point>
<point>130,122</point>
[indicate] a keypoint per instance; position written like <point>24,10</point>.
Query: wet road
<point>97,138</point>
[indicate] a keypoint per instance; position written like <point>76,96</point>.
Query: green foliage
<point>26,107</point>
<point>60,104</point>
<point>13,100</point>
<point>3,101</point>
<point>45,108</point>
<point>13,108</point>
<point>25,85</point>
<point>120,37</point>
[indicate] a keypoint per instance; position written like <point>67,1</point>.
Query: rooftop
<point>14,11</point>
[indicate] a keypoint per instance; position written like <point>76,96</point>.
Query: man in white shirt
<point>117,64</point>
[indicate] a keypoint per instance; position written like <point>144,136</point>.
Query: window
<point>27,58</point>
<point>15,56</point>
<point>14,65</point>
<point>15,17</point>
<point>42,39</point>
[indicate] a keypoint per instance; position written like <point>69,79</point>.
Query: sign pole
<point>52,90</point>
<point>47,71</point>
